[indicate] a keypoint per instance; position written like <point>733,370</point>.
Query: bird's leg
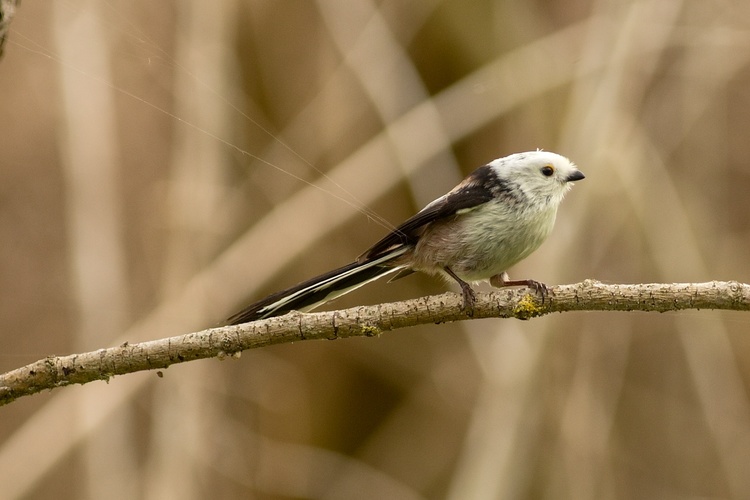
<point>468,293</point>
<point>502,280</point>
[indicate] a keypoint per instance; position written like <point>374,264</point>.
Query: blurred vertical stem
<point>7,11</point>
<point>195,189</point>
<point>96,252</point>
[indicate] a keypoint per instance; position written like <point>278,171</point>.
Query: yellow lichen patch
<point>370,331</point>
<point>527,308</point>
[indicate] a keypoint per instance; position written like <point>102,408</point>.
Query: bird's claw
<point>469,300</point>
<point>540,288</point>
<point>501,280</point>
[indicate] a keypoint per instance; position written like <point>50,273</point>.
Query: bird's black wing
<point>478,188</point>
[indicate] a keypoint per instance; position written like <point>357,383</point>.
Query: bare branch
<point>590,295</point>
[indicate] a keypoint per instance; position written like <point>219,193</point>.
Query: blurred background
<point>165,163</point>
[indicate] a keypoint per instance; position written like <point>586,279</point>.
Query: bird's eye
<point>547,170</point>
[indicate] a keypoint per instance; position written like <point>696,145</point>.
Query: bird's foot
<point>467,292</point>
<point>469,299</point>
<point>501,280</point>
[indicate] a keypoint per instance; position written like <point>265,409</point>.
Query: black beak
<point>575,176</point>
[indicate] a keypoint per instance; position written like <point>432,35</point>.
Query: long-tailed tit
<point>493,219</point>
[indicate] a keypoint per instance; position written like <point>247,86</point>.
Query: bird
<point>496,217</point>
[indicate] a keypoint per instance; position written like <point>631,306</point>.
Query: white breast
<point>489,242</point>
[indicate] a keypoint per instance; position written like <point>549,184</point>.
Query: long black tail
<point>316,291</point>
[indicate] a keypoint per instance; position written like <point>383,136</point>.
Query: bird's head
<point>542,176</point>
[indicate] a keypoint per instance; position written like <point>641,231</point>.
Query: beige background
<point>163,164</point>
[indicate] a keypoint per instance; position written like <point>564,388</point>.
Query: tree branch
<point>590,295</point>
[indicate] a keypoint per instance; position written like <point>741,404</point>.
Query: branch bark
<point>589,295</point>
